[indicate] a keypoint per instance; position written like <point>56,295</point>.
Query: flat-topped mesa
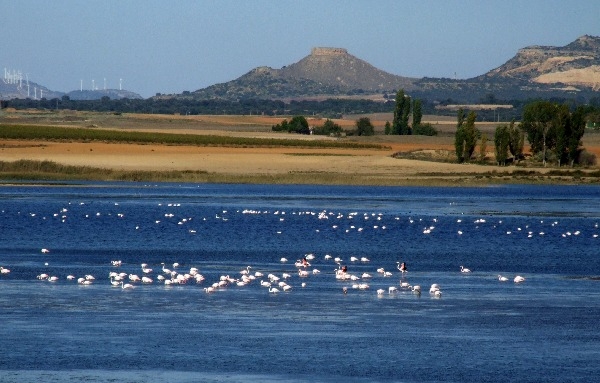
<point>325,51</point>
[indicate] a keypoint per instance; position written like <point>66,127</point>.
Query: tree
<point>552,127</point>
<point>459,139</point>
<point>578,129</point>
<point>516,141</point>
<point>483,147</point>
<point>417,114</point>
<point>329,128</point>
<point>501,143</point>
<point>298,124</point>
<point>364,127</point>
<point>537,122</point>
<point>401,113</point>
<point>562,125</point>
<point>388,128</point>
<point>470,136</point>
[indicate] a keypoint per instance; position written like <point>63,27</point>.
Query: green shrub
<point>425,129</point>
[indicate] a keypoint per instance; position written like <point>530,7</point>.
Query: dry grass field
<point>257,164</point>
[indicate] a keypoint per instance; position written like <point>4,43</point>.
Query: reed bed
<point>27,170</point>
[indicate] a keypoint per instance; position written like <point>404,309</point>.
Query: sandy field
<point>372,163</point>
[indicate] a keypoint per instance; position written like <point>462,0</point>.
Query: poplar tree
<point>417,114</point>
<point>501,143</point>
<point>401,113</point>
<point>459,140</point>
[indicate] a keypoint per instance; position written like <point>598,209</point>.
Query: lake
<point>328,326</point>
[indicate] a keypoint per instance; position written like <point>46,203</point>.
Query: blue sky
<point>172,46</point>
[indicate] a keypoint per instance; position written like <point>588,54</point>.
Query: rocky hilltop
<point>326,71</point>
<point>336,67</point>
<point>576,65</point>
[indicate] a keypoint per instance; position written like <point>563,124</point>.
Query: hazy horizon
<point>162,47</point>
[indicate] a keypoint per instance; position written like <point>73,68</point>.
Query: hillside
<point>576,65</point>
<point>534,72</point>
<point>20,88</point>
<point>326,71</point>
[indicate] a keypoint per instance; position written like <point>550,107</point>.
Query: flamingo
<point>4,270</point>
<point>464,269</point>
<point>126,286</point>
<point>519,279</point>
<point>416,289</point>
<point>273,290</point>
<point>392,289</point>
<point>502,279</point>
<point>380,291</point>
<point>303,273</point>
<point>401,267</point>
<point>52,279</point>
<point>134,278</point>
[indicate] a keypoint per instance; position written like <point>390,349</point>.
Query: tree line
<point>554,132</point>
<point>402,106</point>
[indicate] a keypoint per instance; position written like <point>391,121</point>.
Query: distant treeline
<point>330,108</point>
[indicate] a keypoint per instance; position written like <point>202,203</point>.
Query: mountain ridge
<point>535,71</point>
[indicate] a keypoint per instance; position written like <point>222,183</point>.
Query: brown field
<point>366,166</point>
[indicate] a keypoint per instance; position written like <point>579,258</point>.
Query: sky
<point>173,46</point>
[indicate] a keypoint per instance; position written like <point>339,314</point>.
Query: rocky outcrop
<point>575,65</point>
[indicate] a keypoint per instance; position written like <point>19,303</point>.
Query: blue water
<point>480,329</point>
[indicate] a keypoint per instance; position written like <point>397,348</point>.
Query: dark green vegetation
<point>364,127</point>
<point>553,131</point>
<point>466,136</point>
<point>403,109</point>
<point>26,132</point>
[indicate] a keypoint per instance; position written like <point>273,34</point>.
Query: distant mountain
<point>326,71</point>
<point>537,71</point>
<point>19,88</point>
<point>113,94</point>
<point>576,65</point>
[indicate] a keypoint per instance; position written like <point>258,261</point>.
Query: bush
<point>586,158</point>
<point>424,130</point>
<point>328,128</point>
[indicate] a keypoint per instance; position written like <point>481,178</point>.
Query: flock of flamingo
<point>274,283</point>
